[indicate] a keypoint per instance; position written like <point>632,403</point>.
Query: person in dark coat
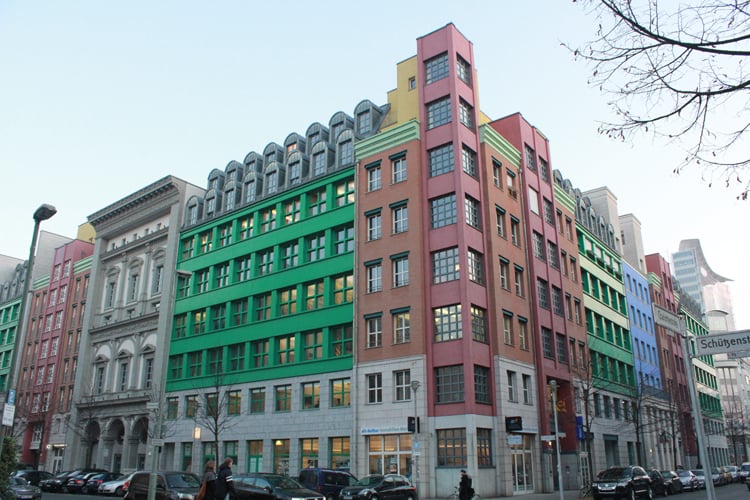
<point>224,486</point>
<point>465,491</point>
<point>209,477</point>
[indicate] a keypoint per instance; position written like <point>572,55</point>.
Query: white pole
<point>553,393</point>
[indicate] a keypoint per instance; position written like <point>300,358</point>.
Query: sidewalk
<point>567,495</point>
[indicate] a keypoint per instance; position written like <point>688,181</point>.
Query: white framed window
<point>402,385</point>
<point>374,325</point>
<point>400,219</point>
<point>400,271</point>
<point>398,170</point>
<point>374,181</point>
<point>374,388</point>
<point>374,278</point>
<point>512,380</point>
<point>401,327</point>
<point>374,227</point>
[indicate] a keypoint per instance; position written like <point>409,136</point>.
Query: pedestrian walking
<point>224,485</point>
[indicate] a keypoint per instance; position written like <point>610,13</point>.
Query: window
<point>518,281</point>
<point>311,396</point>
<point>557,301</point>
<point>374,226</point>
<point>195,363</point>
<point>343,241</point>
<point>542,291</point>
<point>512,380</point>
<point>472,212</point>
<point>436,68</point>
<point>469,161</point>
<point>314,295</point>
<point>398,169</point>
<point>218,316</point>
<point>345,193</point>
<point>283,398</point>
<point>341,340</point>
<point>562,348</point>
<point>246,227</point>
<point>272,182</point>
<point>522,339</point>
<point>463,70</point>
<point>263,306</point>
<point>439,112</point>
<point>289,255</point>
<point>214,358</point>
<point>373,178</point>
<point>201,281</point>
<point>530,157</point>
<point>549,212</point>
<point>343,288</point>
<point>504,268</point>
<point>451,447</point>
<point>285,350</point>
<point>497,172</point>
<point>364,122</point>
<point>544,170</point>
<point>292,211</point>
<point>401,328</point>
<point>447,322</point>
<point>236,357</point>
<point>500,224</point>
<point>288,301</point>
<point>445,265</point>
<point>267,220</point>
<point>374,277</point>
<point>537,241</point>
<point>199,322</point>
<point>317,202</point>
<point>478,324</point>
<point>205,242</point>
<point>191,406</point>
<point>476,266</point>
<point>443,210</point>
<point>508,328</point>
<point>319,163</point>
<point>482,384</point>
<point>239,312</point>
<point>172,406</point>
<point>374,388</point>
<point>312,345</point>
<point>510,181</point>
<point>514,231</point>
<point>257,400</point>
<point>400,219</point>
<point>400,271</point>
<point>175,368</point>
<point>526,389</point>
<point>449,384</point>
<point>234,402</point>
<point>547,347</point>
<point>225,235</point>
<point>132,287</point>
<point>402,385</point>
<point>221,272</point>
<point>441,159</point>
<point>340,392</point>
<point>374,326</point>
<point>265,261</point>
<point>316,247</point>
<point>466,113</point>
<point>554,256</point>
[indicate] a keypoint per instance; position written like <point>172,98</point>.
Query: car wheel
<point>631,494</point>
<point>118,491</point>
<point>650,493</point>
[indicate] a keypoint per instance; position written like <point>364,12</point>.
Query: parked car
<point>20,489</point>
<point>659,483</point>
<point>75,482</point>
<point>673,481</point>
<point>56,483</point>
<point>92,483</point>
<point>700,475</point>
<point>688,480</point>
<point>118,487</point>
<point>717,477</point>
<point>744,471</point>
<point>630,481</point>
<point>170,485</point>
<point>389,486</point>
<point>731,472</point>
<point>329,482</point>
<point>33,476</point>
<point>267,486</point>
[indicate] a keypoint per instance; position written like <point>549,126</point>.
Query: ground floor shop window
<point>281,456</point>
<point>187,456</point>
<point>254,455</point>
<point>309,449</point>
<point>339,447</point>
<point>389,453</point>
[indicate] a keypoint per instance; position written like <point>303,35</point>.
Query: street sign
<point>667,319</point>
<point>9,411</point>
<point>719,343</point>
<point>551,437</point>
<point>11,397</point>
<point>738,354</point>
<point>157,442</point>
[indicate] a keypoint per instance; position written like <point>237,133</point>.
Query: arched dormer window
<point>215,180</point>
<point>339,122</point>
<point>293,142</point>
<point>323,156</point>
<point>193,210</point>
<point>367,118</point>
<point>273,178</point>
<point>253,162</point>
<point>345,148</point>
<point>233,172</point>
<point>296,168</point>
<point>251,186</point>
<point>232,195</point>
<point>315,134</point>
<point>212,204</point>
<point>272,152</point>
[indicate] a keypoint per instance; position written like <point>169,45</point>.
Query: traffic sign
<point>9,411</point>
<point>667,319</point>
<point>719,343</point>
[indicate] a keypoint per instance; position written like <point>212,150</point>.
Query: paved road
<point>729,492</point>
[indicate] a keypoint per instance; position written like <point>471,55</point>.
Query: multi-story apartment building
<point>49,355</point>
<point>124,337</point>
<point>13,273</point>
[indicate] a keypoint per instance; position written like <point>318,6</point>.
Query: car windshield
<point>183,481</point>
<point>715,470</point>
<point>615,473</point>
<point>17,481</point>
<point>666,473</point>
<point>684,473</point>
<point>370,480</point>
<point>746,467</point>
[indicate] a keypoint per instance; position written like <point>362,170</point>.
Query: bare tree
<point>213,411</point>
<point>677,70</point>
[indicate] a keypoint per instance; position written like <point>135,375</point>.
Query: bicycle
<point>454,495</point>
<point>585,491</point>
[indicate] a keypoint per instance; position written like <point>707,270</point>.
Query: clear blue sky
<point>98,99</point>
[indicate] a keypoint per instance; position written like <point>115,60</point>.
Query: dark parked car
<point>170,485</point>
<point>56,483</point>
<point>19,489</point>
<point>717,477</point>
<point>33,476</point>
<point>92,483</point>
<point>329,482</point>
<point>267,486</point>
<point>688,480</point>
<point>659,484</point>
<point>75,482</point>
<point>382,487</point>
<point>626,482</point>
<point>673,480</point>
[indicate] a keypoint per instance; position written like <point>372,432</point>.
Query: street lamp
<point>553,393</point>
<point>415,445</point>
<point>42,213</point>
